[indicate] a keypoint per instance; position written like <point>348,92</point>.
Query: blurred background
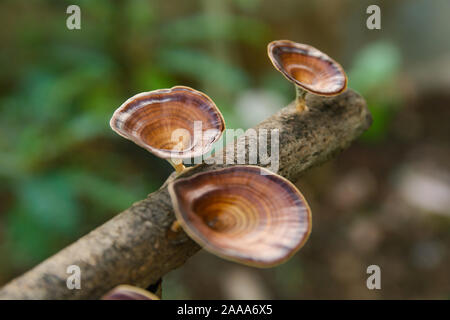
<point>384,201</point>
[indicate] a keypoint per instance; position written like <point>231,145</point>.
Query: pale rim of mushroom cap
<point>203,241</point>
<point>339,79</point>
<point>144,99</point>
<point>127,292</point>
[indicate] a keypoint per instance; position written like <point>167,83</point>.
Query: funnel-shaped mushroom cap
<point>307,67</point>
<point>163,122</point>
<point>126,292</point>
<point>240,214</point>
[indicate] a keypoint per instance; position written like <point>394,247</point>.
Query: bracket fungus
<point>127,292</point>
<point>308,68</point>
<point>242,213</point>
<point>173,124</point>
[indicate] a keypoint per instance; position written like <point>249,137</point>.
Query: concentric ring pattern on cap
<point>164,122</point>
<point>240,214</point>
<point>307,67</point>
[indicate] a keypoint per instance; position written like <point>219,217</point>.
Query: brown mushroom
<point>308,68</point>
<point>245,214</point>
<point>126,292</point>
<point>173,124</point>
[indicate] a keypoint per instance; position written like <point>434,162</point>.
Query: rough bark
<point>137,246</point>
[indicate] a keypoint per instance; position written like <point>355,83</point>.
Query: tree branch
<point>137,246</point>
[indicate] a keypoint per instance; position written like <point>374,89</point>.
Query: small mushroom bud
<point>126,292</point>
<point>173,124</point>
<point>308,68</point>
<point>242,215</point>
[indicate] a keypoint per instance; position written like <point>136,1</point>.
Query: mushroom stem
<point>175,227</point>
<point>179,167</point>
<point>300,99</point>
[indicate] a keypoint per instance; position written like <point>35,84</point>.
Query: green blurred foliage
<point>202,67</point>
<point>215,26</point>
<point>374,74</point>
